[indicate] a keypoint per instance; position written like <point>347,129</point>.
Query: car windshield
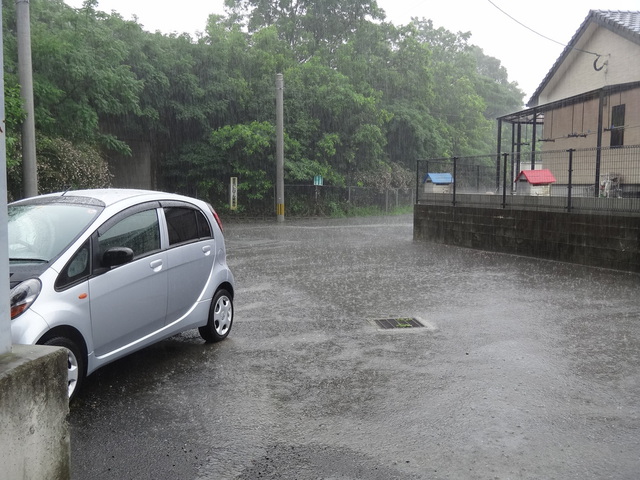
<point>39,233</point>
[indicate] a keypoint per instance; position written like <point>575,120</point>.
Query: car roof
<point>103,196</point>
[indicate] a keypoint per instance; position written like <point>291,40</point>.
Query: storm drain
<point>388,323</point>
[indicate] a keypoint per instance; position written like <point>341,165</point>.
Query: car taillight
<point>23,295</point>
<point>218,221</point>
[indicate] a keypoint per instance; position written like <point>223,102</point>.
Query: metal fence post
<point>497,172</point>
<point>571,150</point>
<point>504,181</point>
<point>601,104</point>
<point>417,181</point>
<point>455,180</point>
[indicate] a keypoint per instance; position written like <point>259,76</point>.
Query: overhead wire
<point>540,34</point>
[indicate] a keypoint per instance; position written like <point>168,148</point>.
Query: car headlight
<point>23,295</point>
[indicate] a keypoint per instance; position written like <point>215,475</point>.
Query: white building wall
<point>577,75</point>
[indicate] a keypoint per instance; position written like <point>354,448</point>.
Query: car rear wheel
<point>75,363</point>
<point>220,318</point>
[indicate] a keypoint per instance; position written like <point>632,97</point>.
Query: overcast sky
<point>526,55</point>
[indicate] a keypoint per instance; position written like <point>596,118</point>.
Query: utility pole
<point>25,74</point>
<point>5,316</point>
<point>279,148</point>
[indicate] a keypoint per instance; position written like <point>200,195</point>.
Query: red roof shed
<point>536,177</point>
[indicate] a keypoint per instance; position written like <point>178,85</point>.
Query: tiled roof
<point>624,23</point>
<point>537,177</point>
<point>626,20</point>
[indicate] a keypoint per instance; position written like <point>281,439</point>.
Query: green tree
<point>501,96</point>
<point>308,26</point>
<point>80,73</point>
<point>73,88</point>
<point>333,121</point>
<point>363,97</point>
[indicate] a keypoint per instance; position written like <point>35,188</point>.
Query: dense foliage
<point>364,99</point>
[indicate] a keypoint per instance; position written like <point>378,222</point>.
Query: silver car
<point>107,272</point>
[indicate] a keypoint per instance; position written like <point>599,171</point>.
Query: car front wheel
<point>220,318</point>
<point>75,363</point>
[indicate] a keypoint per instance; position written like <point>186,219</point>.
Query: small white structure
<point>534,182</point>
<point>437,182</point>
<point>611,185</point>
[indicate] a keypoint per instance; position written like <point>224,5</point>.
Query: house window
<point>617,126</point>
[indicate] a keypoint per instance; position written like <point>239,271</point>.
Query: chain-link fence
<point>587,180</point>
<point>321,200</point>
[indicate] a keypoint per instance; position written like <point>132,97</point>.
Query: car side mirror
<point>117,256</point>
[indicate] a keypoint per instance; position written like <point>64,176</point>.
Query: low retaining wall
<point>34,437</point>
<point>609,241</point>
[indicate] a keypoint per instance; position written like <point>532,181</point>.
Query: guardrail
<point>605,181</point>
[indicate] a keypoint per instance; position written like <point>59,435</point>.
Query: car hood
<point>20,272</point>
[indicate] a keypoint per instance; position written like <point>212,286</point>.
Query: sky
<point>512,31</point>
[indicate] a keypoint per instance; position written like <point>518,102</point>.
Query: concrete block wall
<point>34,406</point>
<point>588,239</point>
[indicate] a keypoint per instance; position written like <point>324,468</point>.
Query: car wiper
<point>29,260</point>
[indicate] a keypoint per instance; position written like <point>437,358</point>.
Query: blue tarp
<point>438,178</point>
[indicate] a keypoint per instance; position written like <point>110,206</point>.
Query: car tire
<point>75,364</point>
<point>220,318</point>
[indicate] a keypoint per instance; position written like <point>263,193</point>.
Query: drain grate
<point>388,323</point>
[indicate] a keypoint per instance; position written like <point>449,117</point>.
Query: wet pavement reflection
<point>525,368</point>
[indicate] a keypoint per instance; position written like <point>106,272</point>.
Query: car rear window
<point>186,225</point>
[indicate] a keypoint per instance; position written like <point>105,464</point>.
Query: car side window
<point>77,269</point>
<point>186,225</point>
<point>139,231</point>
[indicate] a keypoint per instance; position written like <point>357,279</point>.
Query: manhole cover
<point>398,323</point>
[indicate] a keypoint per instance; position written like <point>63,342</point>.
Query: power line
<point>540,34</point>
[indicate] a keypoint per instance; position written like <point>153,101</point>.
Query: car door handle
<point>156,265</point>
<point>207,249</point>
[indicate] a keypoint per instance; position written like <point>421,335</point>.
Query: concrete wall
<point>34,405</point>
<point>136,171</point>
<point>587,239</point>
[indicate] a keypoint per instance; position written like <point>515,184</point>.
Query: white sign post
<point>233,193</point>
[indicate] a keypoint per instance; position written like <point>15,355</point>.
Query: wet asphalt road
<point>525,369</point>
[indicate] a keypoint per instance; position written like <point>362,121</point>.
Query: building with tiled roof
<point>604,51</point>
<point>589,99</point>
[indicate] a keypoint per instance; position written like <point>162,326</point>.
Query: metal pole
<point>504,182</point>
<point>455,180</point>
<point>571,150</point>
<point>279,148</point>
<point>25,74</point>
<point>534,139</point>
<point>498,154</point>
<point>498,172</point>
<point>5,315</point>
<point>417,181</point>
<point>519,148</point>
<point>596,192</point>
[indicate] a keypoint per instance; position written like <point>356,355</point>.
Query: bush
<point>62,166</point>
